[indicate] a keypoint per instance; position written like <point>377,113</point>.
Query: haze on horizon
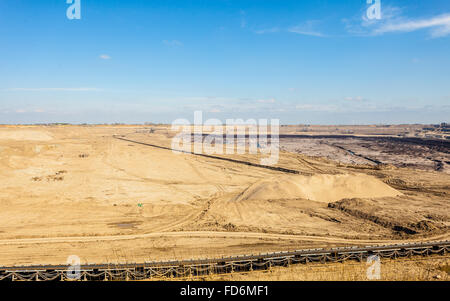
<point>301,62</point>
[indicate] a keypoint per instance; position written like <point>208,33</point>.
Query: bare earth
<point>77,190</point>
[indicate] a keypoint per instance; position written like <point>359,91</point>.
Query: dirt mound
<point>24,135</point>
<point>321,188</point>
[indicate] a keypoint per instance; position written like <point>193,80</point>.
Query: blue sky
<point>318,62</point>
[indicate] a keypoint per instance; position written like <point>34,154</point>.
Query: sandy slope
<point>25,135</point>
<point>321,188</point>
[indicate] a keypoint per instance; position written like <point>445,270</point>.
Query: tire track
<point>207,234</point>
<point>280,169</point>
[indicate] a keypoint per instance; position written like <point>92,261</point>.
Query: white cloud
<point>172,43</point>
<point>272,100</point>
<point>360,25</point>
<point>439,25</point>
<point>351,104</point>
<point>357,98</point>
<point>216,104</point>
<point>268,30</point>
<point>393,20</point>
<point>387,13</point>
<point>307,28</point>
<point>22,111</point>
<point>317,108</point>
<point>105,57</point>
<point>54,89</point>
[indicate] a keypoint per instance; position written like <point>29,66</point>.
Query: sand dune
<point>320,188</point>
<point>26,135</point>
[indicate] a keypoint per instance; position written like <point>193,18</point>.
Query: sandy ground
<point>76,190</point>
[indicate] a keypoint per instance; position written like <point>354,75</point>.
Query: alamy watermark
<point>236,136</point>
<point>374,270</point>
<point>74,10</point>
<point>374,10</point>
<point>73,271</point>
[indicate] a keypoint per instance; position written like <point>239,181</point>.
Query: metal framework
<point>199,267</point>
